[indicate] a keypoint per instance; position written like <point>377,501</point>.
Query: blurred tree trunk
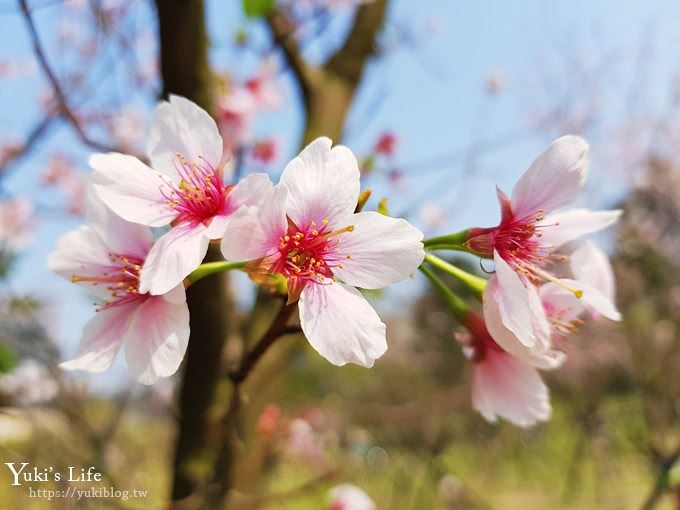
<point>185,71</point>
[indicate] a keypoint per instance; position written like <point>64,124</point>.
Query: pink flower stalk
<point>106,257</point>
<point>16,224</point>
<point>350,497</point>
<point>504,385</point>
<point>306,230</point>
<point>530,231</point>
<point>185,189</point>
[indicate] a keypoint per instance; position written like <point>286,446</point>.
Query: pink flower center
<point>121,278</point>
<point>305,255</point>
<point>200,195</point>
<point>517,241</point>
<point>562,323</point>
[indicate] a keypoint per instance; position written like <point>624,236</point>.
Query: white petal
<point>512,296</point>
<point>560,302</point>
<point>81,252</point>
<point>183,127</point>
<point>176,254</point>
<point>591,265</point>
<point>341,325</point>
<point>323,183</point>
<point>554,179</point>
<point>562,227</point>
<point>540,355</point>
<point>118,235</point>
<point>379,252</point>
<point>101,339</point>
<point>177,295</point>
<point>250,191</point>
<point>506,387</point>
<point>131,189</point>
<point>156,339</point>
<point>253,232</point>
<point>594,298</point>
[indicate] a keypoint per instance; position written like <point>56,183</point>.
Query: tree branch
<point>64,108</point>
<point>284,36</point>
<point>349,61</point>
<point>277,329</point>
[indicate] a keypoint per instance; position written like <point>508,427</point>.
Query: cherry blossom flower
<point>530,231</point>
<point>16,224</point>
<point>556,310</point>
<point>307,231</point>
<point>350,497</point>
<point>504,385</point>
<point>106,257</point>
<point>185,188</point>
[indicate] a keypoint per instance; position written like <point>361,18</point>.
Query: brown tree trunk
<point>186,72</point>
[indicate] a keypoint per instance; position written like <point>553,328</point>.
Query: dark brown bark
<point>184,50</point>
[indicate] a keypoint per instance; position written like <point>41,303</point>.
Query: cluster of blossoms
<point>150,226</point>
<point>528,312</point>
<point>304,229</point>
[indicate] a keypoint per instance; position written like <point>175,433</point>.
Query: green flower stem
<point>450,247</point>
<point>212,268</point>
<point>456,239</point>
<point>459,308</point>
<point>474,283</point>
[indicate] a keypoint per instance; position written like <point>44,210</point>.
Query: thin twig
<point>64,107</point>
<point>277,329</point>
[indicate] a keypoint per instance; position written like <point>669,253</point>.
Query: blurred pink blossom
<point>268,422</point>
<point>266,151</point>
<point>265,86</point>
<point>235,114</point>
<point>386,144</point>
<point>127,128</point>
<point>304,442</point>
<point>495,82</point>
<point>16,223</point>
<point>432,214</point>
<point>350,497</point>
<point>29,384</point>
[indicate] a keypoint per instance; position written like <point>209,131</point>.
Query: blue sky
<point>430,93</point>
